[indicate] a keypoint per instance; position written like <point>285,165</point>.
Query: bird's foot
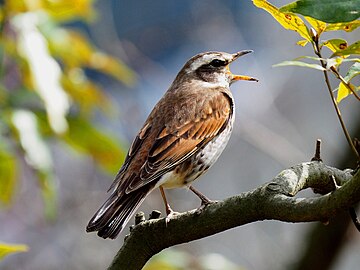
<point>204,204</point>
<point>170,214</point>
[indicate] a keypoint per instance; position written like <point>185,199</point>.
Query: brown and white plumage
<point>183,136</point>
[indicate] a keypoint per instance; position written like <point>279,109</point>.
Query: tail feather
<point>114,214</point>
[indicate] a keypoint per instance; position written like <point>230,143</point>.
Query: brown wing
<point>176,140</point>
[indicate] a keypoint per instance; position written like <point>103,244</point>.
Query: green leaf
<point>8,176</point>
<point>104,149</point>
<point>49,194</point>
<point>353,71</point>
<point>7,249</point>
<point>336,44</point>
<point>300,64</point>
<point>343,91</point>
<point>352,49</point>
<point>330,11</point>
<point>287,20</point>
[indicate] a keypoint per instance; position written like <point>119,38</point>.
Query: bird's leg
<point>167,206</point>
<point>169,211</point>
<point>204,200</point>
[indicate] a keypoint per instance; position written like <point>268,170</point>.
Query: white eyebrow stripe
<point>206,59</point>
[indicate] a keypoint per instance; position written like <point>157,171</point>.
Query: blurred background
<point>277,122</point>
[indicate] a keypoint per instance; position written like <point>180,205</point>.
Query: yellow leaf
<point>45,71</point>
<point>346,26</point>
<point>302,42</point>
<point>288,20</point>
<point>336,44</point>
<point>76,52</point>
<point>7,249</point>
<point>13,7</point>
<point>8,176</point>
<point>318,25</point>
<point>62,10</point>
<point>351,49</point>
<point>343,91</point>
<point>86,93</point>
<point>113,67</point>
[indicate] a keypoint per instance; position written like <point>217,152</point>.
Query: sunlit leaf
<point>84,92</point>
<point>7,249</point>
<point>45,71</point>
<point>68,9</point>
<point>333,62</point>
<point>310,57</point>
<point>318,25</point>
<point>300,64</point>
<point>75,51</point>
<point>15,6</point>
<point>104,149</point>
<point>8,176</point>
<point>114,67</point>
<point>336,44</point>
<point>37,156</point>
<point>351,49</point>
<point>302,42</point>
<point>36,151</point>
<point>343,91</point>
<point>346,26</point>
<point>289,21</point>
<point>331,11</point>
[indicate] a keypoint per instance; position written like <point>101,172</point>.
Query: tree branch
<point>271,201</point>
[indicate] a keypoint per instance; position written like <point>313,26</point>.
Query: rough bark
<point>272,201</point>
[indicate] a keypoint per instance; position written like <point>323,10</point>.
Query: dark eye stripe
<point>217,63</point>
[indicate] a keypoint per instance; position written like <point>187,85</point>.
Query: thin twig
<point>317,156</point>
<point>337,109</point>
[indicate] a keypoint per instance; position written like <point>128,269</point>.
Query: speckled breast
<point>200,162</point>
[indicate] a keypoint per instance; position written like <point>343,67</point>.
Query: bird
<point>181,139</point>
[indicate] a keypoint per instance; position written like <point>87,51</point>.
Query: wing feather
<point>174,144</point>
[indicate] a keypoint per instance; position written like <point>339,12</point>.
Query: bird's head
<point>212,68</point>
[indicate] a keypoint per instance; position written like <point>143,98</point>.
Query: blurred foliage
<point>342,16</point>
<point>7,249</point>
<point>45,94</point>
<point>173,259</point>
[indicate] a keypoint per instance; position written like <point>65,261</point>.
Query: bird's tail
<point>114,214</point>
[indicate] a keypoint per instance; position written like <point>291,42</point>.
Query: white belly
<point>199,163</point>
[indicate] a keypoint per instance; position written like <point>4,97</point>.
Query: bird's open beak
<point>234,77</point>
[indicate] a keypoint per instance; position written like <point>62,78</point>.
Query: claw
<point>170,214</point>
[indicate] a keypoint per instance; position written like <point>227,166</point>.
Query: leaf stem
<point>337,109</point>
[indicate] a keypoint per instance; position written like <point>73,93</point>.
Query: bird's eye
<point>217,63</point>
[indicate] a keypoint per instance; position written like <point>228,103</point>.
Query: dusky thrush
<point>181,139</point>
